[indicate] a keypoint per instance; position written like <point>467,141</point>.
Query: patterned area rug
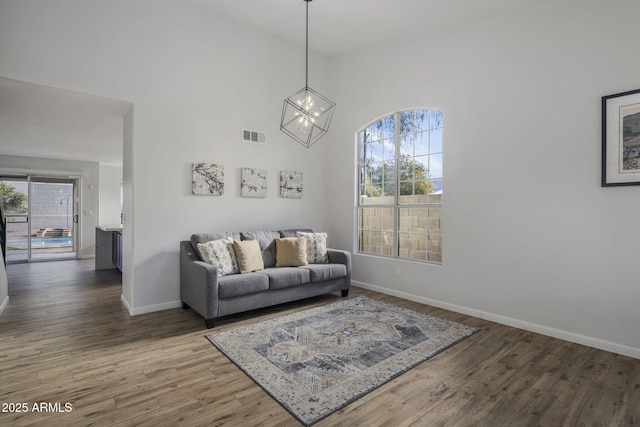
<point>317,361</point>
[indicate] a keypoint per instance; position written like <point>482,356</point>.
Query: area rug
<point>317,361</point>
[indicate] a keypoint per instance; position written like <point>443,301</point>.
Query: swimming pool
<point>51,241</point>
<point>40,241</point>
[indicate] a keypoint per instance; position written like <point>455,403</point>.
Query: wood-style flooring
<point>65,338</point>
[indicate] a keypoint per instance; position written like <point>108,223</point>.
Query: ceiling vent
<point>254,137</point>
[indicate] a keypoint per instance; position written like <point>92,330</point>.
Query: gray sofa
<point>213,296</point>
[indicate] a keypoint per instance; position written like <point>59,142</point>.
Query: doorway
<point>42,219</point>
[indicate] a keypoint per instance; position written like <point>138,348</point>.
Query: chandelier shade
<point>306,115</point>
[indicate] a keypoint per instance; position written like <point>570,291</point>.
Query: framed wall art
<point>291,185</point>
<point>621,139</point>
<point>253,182</point>
<point>207,179</point>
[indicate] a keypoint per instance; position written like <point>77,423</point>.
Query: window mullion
<point>396,216</point>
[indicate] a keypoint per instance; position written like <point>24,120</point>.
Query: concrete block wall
<point>420,232</point>
<point>51,206</point>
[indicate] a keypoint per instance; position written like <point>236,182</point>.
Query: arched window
<point>400,186</point>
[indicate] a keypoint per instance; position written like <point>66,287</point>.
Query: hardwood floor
<point>65,338</point>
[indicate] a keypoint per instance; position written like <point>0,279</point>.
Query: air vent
<point>254,137</point>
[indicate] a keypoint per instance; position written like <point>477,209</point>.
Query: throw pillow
<point>291,252</point>
<point>220,253</point>
<point>249,255</point>
<point>316,247</point>
<point>266,240</point>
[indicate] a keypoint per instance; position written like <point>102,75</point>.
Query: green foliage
<point>414,178</point>
<point>372,190</point>
<point>14,201</point>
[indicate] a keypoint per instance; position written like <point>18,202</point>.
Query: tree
<point>14,201</point>
<point>414,178</point>
<point>372,190</point>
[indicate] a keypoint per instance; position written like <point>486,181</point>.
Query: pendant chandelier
<point>306,115</point>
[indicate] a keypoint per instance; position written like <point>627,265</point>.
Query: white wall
<point>127,224</point>
<point>4,288</point>
<point>110,182</point>
<point>88,171</point>
<point>196,79</point>
<point>530,237</point>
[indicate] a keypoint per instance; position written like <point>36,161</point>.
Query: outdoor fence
<point>419,227</point>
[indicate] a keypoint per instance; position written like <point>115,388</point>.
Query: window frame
<point>398,205</point>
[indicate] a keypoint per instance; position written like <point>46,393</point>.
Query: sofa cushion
<point>286,277</point>
<point>266,239</point>
<point>291,252</point>
<point>221,254</point>
<point>236,285</point>
<point>248,255</point>
<point>316,247</point>
<point>292,232</point>
<point>322,272</point>
<point>207,237</point>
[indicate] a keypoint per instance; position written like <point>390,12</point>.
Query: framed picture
<point>621,139</point>
<point>207,179</point>
<point>291,185</point>
<point>254,182</point>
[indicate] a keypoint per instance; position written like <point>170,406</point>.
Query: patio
<point>41,247</point>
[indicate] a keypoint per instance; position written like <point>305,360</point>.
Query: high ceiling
<point>46,122</point>
<point>340,26</point>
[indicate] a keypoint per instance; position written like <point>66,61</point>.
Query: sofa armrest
<point>337,256</point>
<point>198,282</point>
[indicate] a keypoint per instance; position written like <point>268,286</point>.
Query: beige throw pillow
<point>248,255</point>
<point>291,252</point>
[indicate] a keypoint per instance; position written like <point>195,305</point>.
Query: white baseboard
<point>508,321</point>
<point>126,304</point>
<point>4,305</point>
<point>134,311</point>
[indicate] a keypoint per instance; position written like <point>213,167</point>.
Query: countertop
<point>110,228</point>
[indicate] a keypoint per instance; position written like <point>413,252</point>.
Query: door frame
<point>75,217</point>
<point>28,177</point>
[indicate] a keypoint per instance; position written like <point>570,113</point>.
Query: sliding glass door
<point>41,217</point>
<point>53,217</point>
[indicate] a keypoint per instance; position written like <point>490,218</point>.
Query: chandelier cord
<point>306,115</point>
<point>306,49</point>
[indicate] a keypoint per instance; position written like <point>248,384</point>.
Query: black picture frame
<point>621,139</point>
